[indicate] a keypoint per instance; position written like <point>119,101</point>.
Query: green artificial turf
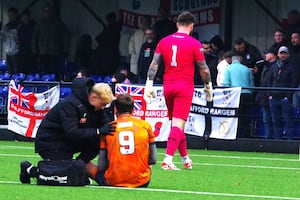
<point>215,175</point>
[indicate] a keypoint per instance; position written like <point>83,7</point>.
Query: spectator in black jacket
<point>107,55</point>
<point>251,57</point>
<point>164,25</point>
<point>26,60</point>
<point>74,125</point>
<point>262,96</point>
<point>281,101</point>
<point>145,57</point>
<point>279,39</point>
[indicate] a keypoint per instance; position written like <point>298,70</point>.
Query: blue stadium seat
<point>48,77</point>
<point>31,87</point>
<point>45,77</point>
<point>4,90</point>
<point>33,77</point>
<point>107,79</point>
<point>64,92</point>
<point>5,76</point>
<point>3,65</point>
<point>97,78</point>
<point>18,76</point>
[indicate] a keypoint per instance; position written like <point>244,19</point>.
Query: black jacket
<point>283,75</point>
<point>65,128</point>
<point>262,96</point>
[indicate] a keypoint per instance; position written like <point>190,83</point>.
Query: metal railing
<point>255,115</point>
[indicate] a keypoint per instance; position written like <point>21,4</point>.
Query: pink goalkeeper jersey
<point>180,52</point>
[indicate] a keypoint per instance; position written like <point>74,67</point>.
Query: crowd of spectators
<point>42,46</point>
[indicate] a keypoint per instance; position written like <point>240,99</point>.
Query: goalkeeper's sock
<point>173,140</point>
<point>182,148</point>
<point>185,158</point>
<point>168,159</point>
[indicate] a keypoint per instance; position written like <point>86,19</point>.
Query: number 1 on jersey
<point>174,56</point>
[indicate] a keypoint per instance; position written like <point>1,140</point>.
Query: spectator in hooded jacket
<point>73,126</point>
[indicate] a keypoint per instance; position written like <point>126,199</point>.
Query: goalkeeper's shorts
<point>178,99</point>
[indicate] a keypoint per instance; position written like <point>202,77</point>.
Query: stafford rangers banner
<point>218,119</point>
<point>27,109</point>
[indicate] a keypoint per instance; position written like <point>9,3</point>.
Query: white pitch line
<point>239,157</point>
<point>19,155</point>
<point>205,164</point>
<point>182,192</point>
<point>15,147</point>
<point>191,155</point>
<point>202,193</point>
<point>245,166</point>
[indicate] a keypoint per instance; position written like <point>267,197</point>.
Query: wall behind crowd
<point>248,19</point>
<point>253,23</point>
<point>76,17</point>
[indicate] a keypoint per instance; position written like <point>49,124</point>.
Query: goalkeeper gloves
<point>208,89</point>
<point>107,129</point>
<point>149,93</point>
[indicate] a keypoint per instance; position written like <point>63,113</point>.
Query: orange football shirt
<point>128,152</point>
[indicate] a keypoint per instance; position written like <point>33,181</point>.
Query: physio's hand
<point>108,129</point>
<point>208,89</point>
<point>149,93</point>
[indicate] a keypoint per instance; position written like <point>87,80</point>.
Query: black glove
<point>107,129</point>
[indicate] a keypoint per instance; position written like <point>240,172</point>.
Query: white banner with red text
<point>218,119</point>
<point>207,14</point>
<point>25,110</point>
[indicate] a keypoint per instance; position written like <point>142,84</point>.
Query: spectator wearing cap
<point>262,96</point>
<point>281,100</point>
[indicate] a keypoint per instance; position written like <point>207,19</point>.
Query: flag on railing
<point>25,110</point>
<point>222,115</point>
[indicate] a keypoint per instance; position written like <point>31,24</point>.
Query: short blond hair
<point>103,90</point>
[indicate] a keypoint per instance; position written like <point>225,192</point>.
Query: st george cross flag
<point>25,110</point>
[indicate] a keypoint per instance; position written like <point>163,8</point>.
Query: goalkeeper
<point>179,51</point>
